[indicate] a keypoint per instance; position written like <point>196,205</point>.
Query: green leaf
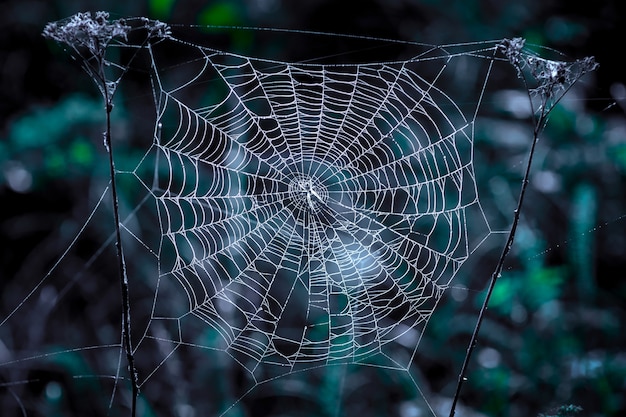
<point>503,294</point>
<point>220,14</point>
<point>543,285</point>
<point>82,152</point>
<point>161,9</point>
<point>55,163</point>
<point>582,249</point>
<point>618,154</point>
<point>52,125</point>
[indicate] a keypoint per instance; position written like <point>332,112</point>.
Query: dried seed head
<point>87,31</point>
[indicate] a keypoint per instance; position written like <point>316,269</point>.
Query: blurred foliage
<point>161,9</point>
<point>56,141</point>
<point>564,411</point>
<point>221,14</point>
<point>554,330</point>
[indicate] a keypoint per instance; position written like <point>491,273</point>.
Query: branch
<point>89,37</point>
<point>121,265</point>
<point>554,79</point>
<point>496,273</point>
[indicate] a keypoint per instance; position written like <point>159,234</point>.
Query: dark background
<point>554,331</point>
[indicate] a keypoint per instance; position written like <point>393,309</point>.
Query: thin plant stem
<point>498,269</point>
<point>123,275</point>
<point>126,336</point>
<point>89,35</point>
<point>555,79</point>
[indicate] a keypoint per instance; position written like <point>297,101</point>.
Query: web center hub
<point>307,193</point>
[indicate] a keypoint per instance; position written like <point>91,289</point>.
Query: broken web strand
<point>303,214</point>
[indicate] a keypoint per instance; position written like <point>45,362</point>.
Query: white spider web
<point>307,214</point>
<point>313,214</point>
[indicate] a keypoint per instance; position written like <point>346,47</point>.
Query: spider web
<point>309,214</point>
<point>313,213</point>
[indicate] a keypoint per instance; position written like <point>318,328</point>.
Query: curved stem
<point>498,270</point>
<point>121,262</point>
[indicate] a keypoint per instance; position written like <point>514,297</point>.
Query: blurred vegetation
<point>553,340</point>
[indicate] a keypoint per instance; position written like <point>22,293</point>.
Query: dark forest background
<point>554,333</point>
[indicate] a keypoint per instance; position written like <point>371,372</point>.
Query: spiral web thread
<point>316,213</point>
